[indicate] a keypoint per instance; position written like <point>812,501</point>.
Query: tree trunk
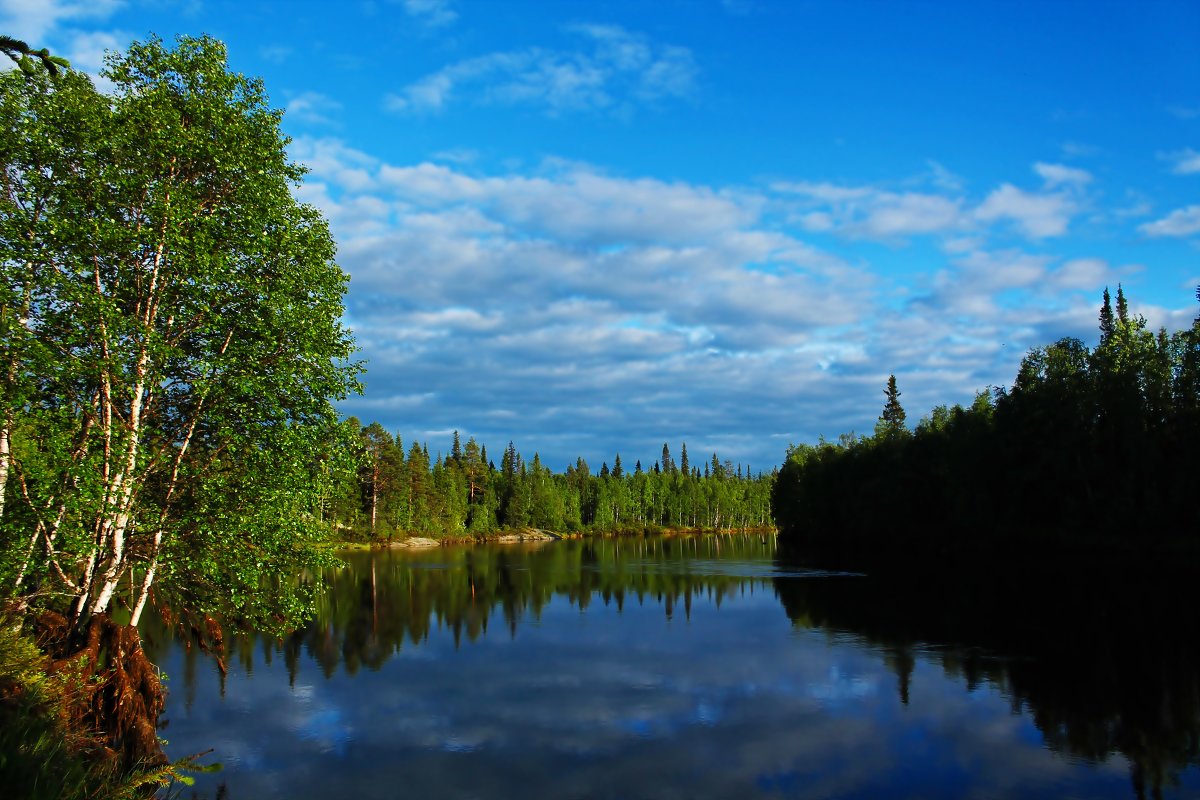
<point>5,449</point>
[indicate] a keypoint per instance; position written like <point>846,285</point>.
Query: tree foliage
<point>171,339</point>
<point>30,61</point>
<point>1092,446</point>
<point>891,421</point>
<point>466,495</point>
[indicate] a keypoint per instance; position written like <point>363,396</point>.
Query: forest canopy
<point>1091,446</point>
<point>399,491</point>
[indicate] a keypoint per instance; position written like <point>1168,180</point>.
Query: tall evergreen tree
<point>1122,306</point>
<point>891,421</point>
<point>1108,325</point>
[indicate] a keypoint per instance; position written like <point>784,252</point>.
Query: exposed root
<point>116,696</point>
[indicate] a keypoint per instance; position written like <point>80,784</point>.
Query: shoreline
<point>535,535</point>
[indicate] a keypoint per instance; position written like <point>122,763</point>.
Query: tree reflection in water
<point>1104,660</point>
<point>1104,657</point>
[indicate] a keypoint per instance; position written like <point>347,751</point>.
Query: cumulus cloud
<point>603,292</point>
<point>881,213</point>
<point>1181,222</point>
<point>566,308</point>
<point>620,69</point>
<point>1038,215</point>
<point>874,213</point>
<point>1083,274</point>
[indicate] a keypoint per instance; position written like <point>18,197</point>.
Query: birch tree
<point>171,338</point>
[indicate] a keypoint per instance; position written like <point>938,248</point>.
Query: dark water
<point>700,668</point>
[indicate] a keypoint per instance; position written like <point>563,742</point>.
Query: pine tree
<point>1107,325</point>
<point>891,421</point>
<point>684,467</point>
<point>617,472</point>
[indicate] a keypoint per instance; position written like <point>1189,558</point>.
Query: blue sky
<point>592,227</point>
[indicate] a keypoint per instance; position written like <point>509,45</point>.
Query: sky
<point>593,227</point>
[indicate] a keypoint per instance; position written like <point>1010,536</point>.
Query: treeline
<point>395,493</point>
<point>1090,446</point>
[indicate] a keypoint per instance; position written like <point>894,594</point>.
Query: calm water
<point>697,668</point>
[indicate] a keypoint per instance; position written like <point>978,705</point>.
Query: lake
<point>702,667</point>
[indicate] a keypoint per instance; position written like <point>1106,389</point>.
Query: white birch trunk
<point>5,451</point>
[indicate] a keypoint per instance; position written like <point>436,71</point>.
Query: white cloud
<point>621,299</point>
<point>34,20</point>
<point>910,213</point>
<point>1083,274</point>
<point>1004,270</point>
<point>1038,215</point>
<point>621,68</point>
<point>86,50</point>
<point>1181,222</point>
<point>879,213</point>
<point>332,158</point>
<point>313,107</point>
<point>1185,162</point>
<point>872,212</point>
<point>1056,175</point>
<point>580,204</point>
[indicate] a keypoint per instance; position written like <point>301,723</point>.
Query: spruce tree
<point>1107,324</point>
<point>891,421</point>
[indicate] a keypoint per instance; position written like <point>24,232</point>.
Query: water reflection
<point>664,668</point>
<point>1105,659</point>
